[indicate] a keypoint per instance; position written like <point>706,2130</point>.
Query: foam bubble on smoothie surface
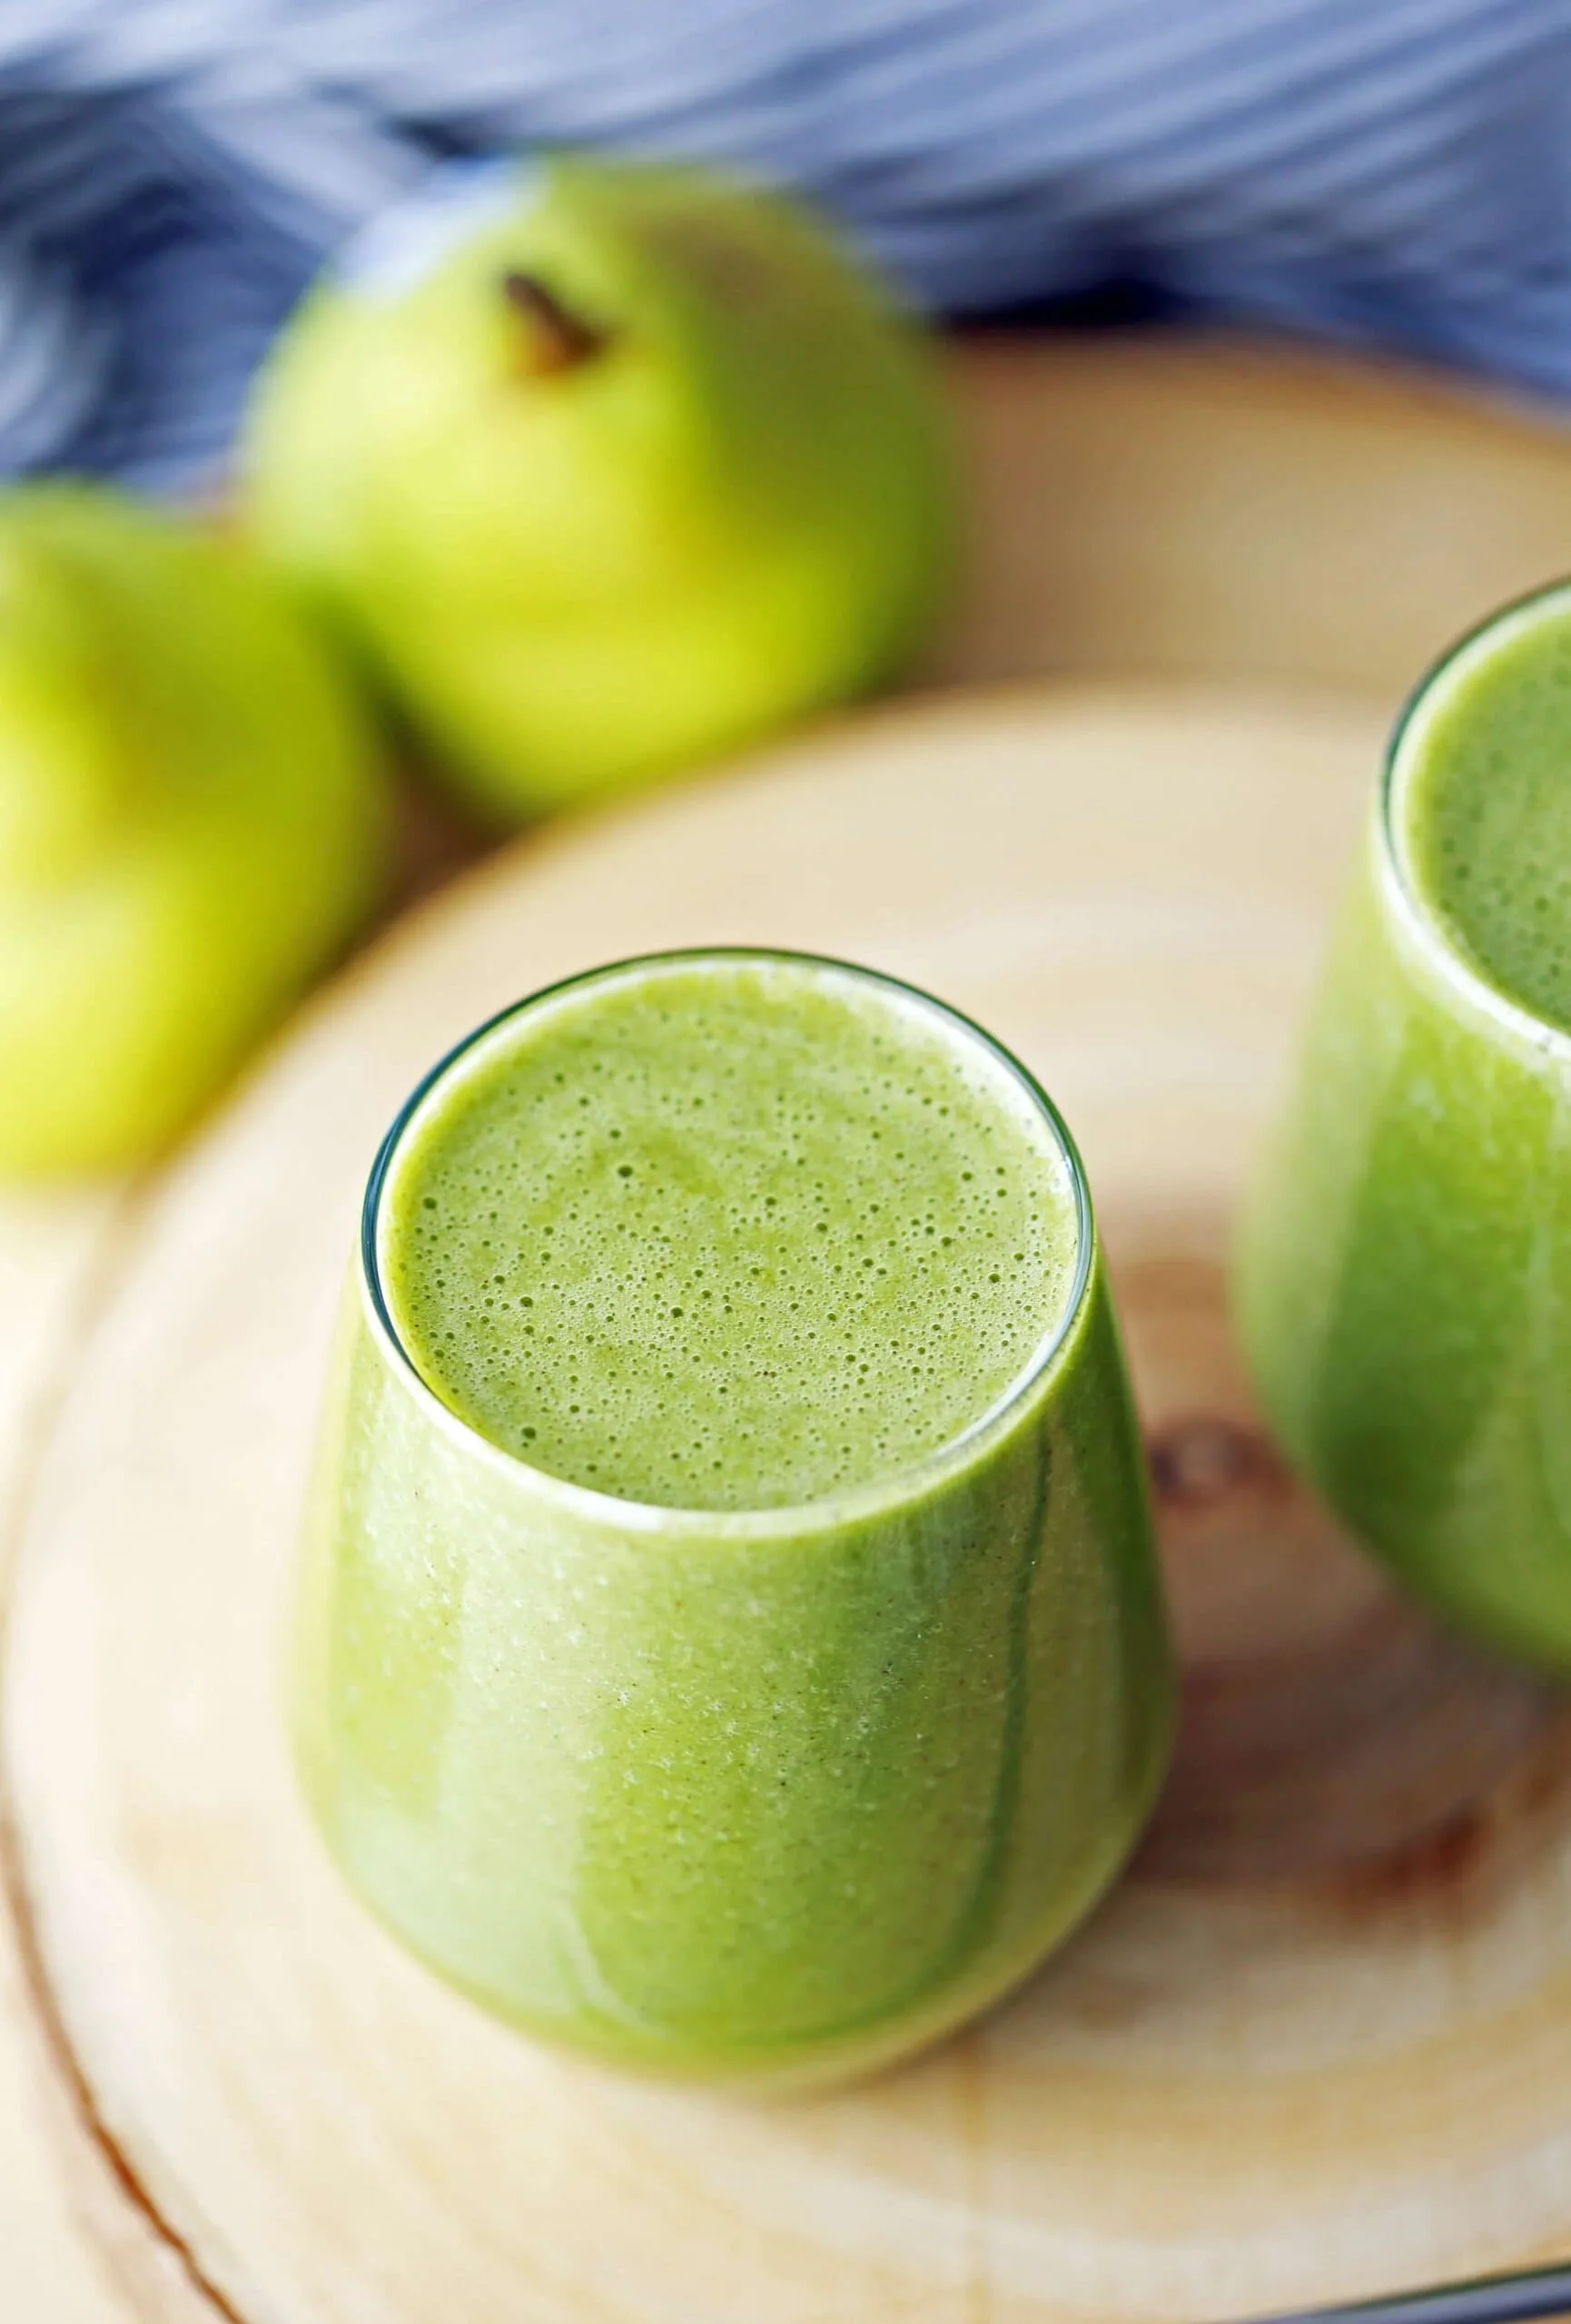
<point>727,1235</point>
<point>1485,811</point>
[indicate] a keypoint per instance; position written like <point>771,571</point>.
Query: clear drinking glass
<point>765,1796</point>
<point>1403,1276</point>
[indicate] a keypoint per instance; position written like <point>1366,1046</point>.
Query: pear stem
<point>559,341</point>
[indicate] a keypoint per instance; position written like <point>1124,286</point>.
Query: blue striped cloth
<point>171,171</point>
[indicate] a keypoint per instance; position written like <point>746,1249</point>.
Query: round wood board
<point>1139,505</point>
<point>1317,2042</point>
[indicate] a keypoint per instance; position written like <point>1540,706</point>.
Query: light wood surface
<point>1319,2042</point>
<point>1139,506</point>
<point>1157,506</point>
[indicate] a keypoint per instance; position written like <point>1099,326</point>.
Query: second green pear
<point>193,821</point>
<point>604,468</point>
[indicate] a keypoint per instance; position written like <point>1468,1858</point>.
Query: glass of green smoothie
<point>729,1637</point>
<point>1403,1281</point>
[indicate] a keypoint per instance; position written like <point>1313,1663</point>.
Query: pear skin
<point>604,470</point>
<point>193,819</point>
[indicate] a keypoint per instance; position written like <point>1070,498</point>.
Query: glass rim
<point>829,1510</point>
<point>1424,700</point>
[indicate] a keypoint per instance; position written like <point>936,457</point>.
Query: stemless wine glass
<point>1403,1275</point>
<point>768,1796</point>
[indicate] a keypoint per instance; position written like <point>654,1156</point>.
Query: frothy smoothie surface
<point>1484,813</point>
<point>727,1233</point>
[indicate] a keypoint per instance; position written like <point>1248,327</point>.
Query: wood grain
<point>1317,2042</point>
<point>1145,506</point>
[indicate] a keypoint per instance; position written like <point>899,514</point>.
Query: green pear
<point>605,467</point>
<point>192,818</point>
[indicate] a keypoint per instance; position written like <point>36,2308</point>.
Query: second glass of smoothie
<point>1405,1272</point>
<point>729,1637</point>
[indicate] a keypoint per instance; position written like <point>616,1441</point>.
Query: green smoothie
<point>1405,1278</point>
<point>729,1238</point>
<point>730,1637</point>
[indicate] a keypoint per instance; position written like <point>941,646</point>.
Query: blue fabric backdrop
<point>1388,171</point>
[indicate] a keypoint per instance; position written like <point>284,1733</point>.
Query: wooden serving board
<point>1335,1831</point>
<point>1319,2041</point>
